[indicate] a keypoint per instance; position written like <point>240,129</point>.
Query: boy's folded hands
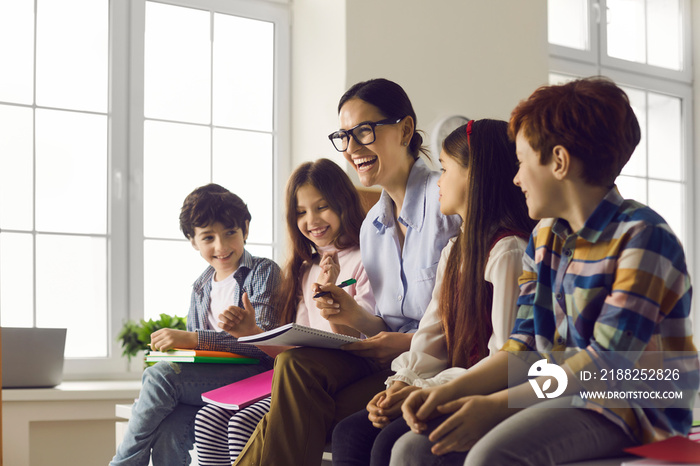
<point>471,418</point>
<point>421,406</point>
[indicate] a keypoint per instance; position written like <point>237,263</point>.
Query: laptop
<point>32,357</point>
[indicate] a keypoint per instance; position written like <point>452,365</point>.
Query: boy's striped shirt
<point>619,284</point>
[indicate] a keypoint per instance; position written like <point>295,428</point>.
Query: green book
<point>200,359</point>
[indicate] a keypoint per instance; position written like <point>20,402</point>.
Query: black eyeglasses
<point>362,134</point>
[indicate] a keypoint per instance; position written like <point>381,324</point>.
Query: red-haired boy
<point>604,283</point>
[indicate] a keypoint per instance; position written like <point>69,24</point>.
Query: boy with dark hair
<point>216,222</point>
<point>604,285</point>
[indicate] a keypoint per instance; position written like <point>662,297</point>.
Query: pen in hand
<point>342,285</point>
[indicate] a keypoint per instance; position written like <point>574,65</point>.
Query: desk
<point>70,424</point>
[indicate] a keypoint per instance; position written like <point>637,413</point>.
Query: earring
<point>405,143</point>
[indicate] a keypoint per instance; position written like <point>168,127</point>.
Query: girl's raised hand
<point>330,269</point>
<point>238,321</point>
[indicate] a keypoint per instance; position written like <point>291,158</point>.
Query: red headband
<point>469,132</point>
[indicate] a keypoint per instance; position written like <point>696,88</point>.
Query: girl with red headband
<point>473,307</point>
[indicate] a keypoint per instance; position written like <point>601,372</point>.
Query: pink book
<point>240,394</point>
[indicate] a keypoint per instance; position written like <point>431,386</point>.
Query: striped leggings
<point>220,434</point>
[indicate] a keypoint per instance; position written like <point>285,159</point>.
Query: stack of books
<point>198,356</point>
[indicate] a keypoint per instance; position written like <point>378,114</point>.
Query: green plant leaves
<point>135,337</point>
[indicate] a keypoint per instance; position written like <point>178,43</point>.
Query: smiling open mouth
<point>224,257</point>
<point>318,232</point>
<point>365,163</point>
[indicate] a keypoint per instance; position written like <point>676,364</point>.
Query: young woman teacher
<point>400,241</point>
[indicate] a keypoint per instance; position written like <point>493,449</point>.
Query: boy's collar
<point>597,222</point>
<point>245,262</point>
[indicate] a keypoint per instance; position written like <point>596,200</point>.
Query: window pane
<point>16,280</point>
<point>177,81</point>
<point>260,250</point>
<point>16,168</point>
<point>558,78</point>
<point>71,172</point>
<point>568,23</point>
<point>627,30</point>
<point>72,52</point>
<point>664,137</point>
<point>17,51</point>
<point>666,197</point>
<point>237,155</point>
<point>170,269</point>
<point>665,34</point>
<point>637,165</point>
<point>176,161</point>
<point>632,188</point>
<point>243,87</point>
<point>71,280</point>
<point>646,31</point>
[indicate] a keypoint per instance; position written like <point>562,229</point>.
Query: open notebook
<point>32,357</point>
<point>298,335</point>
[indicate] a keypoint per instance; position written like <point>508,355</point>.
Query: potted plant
<point>135,337</point>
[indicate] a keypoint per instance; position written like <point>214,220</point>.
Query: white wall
<point>318,76</point>
<point>451,56</point>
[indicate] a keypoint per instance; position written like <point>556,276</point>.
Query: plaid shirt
<point>619,284</point>
<point>257,276</point>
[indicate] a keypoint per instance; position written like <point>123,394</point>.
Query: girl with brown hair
<point>324,215</point>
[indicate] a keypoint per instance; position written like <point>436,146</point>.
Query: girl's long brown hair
<point>342,197</point>
<point>495,206</point>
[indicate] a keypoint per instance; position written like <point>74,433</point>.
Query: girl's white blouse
<point>425,364</point>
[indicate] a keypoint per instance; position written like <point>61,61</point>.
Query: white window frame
<point>568,61</point>
<point>125,292</point>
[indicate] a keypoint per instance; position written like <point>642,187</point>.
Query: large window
<point>208,105</point>
<point>644,46</point>
<point>630,42</point>
<point>108,119</point>
<point>54,169</point>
